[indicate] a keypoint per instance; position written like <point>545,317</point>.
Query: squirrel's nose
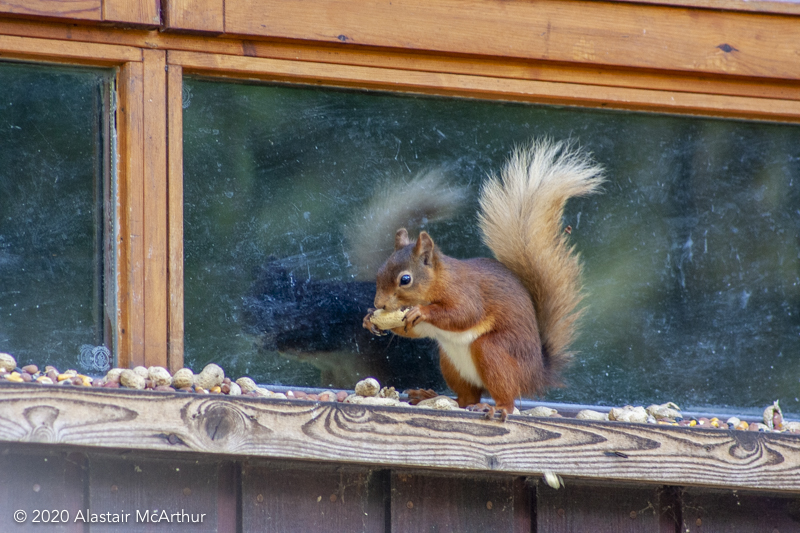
<point>380,302</point>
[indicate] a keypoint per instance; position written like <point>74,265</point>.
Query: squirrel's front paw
<point>367,324</point>
<point>413,316</point>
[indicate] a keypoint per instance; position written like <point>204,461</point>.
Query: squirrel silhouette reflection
<point>319,321</point>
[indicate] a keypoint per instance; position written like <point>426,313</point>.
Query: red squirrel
<point>503,325</point>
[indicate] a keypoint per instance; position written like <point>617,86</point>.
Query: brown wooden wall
<point>241,495</point>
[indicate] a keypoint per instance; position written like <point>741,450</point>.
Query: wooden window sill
<point>398,437</point>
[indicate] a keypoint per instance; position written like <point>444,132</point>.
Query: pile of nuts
<point>670,414</point>
<point>212,380</point>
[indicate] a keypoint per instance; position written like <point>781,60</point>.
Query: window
<point>54,185</point>
<point>692,255</point>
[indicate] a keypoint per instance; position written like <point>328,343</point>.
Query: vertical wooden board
<point>146,12</point>
<point>229,494</point>
<point>617,508</point>
<point>73,9</point>
<point>422,502</point>
<point>175,214</point>
<point>45,481</point>
<point>287,498</point>
<point>156,291</point>
<point>149,495</point>
<point>197,15</point>
<point>130,214</point>
<point>739,512</point>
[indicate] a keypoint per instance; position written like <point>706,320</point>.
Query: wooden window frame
<point>575,61</point>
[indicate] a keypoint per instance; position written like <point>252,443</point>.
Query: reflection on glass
<point>52,171</point>
<point>692,255</point>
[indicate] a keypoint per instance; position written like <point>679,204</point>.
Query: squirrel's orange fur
<point>505,325</point>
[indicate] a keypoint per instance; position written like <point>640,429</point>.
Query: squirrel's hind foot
<point>490,411</point>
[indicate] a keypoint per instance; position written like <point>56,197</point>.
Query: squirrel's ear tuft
<point>401,239</point>
<point>424,248</point>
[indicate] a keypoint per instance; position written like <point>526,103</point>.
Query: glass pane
<point>692,254</point>
<point>52,171</point>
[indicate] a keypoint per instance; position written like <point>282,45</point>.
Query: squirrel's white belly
<point>455,344</point>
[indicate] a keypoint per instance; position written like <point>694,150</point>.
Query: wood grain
<point>42,481</point>
<point>131,485</point>
<point>74,9</point>
<point>760,6</point>
<point>411,60</point>
<point>74,52</point>
<point>422,501</point>
<point>279,497</point>
<point>737,512</point>
<point>156,286</point>
<point>591,507</point>
<point>175,215</point>
<point>399,437</point>
<point>197,15</point>
<point>600,33</point>
<point>130,212</point>
<point>144,12</point>
<point>486,87</point>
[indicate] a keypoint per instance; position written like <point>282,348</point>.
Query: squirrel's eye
<point>405,279</point>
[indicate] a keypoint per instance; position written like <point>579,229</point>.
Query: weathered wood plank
<point>144,12</point>
<point>73,9</point>
<point>51,482</point>
<point>422,501</point>
<point>603,509</point>
<point>739,512</point>
<point>405,437</point>
<point>229,494</point>
<point>175,215</point>
<point>74,52</point>
<point>197,15</point>
<point>313,498</point>
<point>600,33</point>
<point>761,6</point>
<point>410,60</point>
<point>130,213</point>
<point>486,86</point>
<point>153,494</point>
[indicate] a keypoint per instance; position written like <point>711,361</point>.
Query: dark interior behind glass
<point>692,254</point>
<point>54,177</point>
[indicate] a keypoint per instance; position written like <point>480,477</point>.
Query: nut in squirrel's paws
<point>383,320</point>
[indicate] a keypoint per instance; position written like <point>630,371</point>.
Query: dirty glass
<point>53,164</point>
<point>692,254</point>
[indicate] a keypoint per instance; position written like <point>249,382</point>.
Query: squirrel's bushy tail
<point>426,198</point>
<point>521,220</point>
